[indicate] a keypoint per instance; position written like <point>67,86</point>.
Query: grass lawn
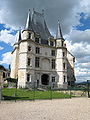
<point>25,94</point>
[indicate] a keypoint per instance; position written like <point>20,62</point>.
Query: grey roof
<point>38,25</point>
<point>59,32</point>
<point>28,23</point>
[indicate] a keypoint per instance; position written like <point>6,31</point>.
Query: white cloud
<point>6,37</point>
<point>78,36</point>
<point>14,12</point>
<point>6,58</point>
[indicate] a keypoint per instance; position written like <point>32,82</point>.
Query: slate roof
<point>37,24</point>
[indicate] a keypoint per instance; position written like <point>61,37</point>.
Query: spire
<point>59,32</point>
<point>28,23</point>
<point>19,35</point>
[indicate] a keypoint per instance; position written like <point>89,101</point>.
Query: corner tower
<point>61,61</point>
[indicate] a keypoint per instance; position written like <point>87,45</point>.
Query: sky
<point>74,16</point>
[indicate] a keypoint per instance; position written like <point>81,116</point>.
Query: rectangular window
<point>53,52</point>
<point>37,50</point>
<point>29,61</point>
<point>63,54</point>
<point>29,36</point>
<point>51,43</point>
<point>53,79</point>
<point>37,39</point>
<point>62,43</point>
<point>29,48</point>
<point>64,66</point>
<point>53,63</point>
<point>64,77</point>
<point>37,59</point>
<point>4,75</point>
<point>28,78</point>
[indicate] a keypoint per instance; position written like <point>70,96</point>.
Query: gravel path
<point>62,109</point>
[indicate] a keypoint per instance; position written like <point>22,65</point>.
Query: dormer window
<point>29,36</point>
<point>29,48</point>
<point>37,40</point>
<point>51,43</point>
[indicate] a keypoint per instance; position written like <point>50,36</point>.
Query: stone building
<point>40,58</point>
<point>4,73</point>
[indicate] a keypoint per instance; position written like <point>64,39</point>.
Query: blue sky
<point>75,23</point>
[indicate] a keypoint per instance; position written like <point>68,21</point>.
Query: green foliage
<point>23,94</point>
<point>11,80</point>
<point>5,85</point>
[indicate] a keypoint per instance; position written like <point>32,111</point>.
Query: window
<point>37,59</point>
<point>28,78</point>
<point>53,52</point>
<point>29,62</point>
<point>4,75</point>
<point>63,54</point>
<point>62,43</point>
<point>64,77</point>
<point>37,50</point>
<point>64,65</point>
<point>53,79</point>
<point>53,63</point>
<point>51,43</point>
<point>29,36</point>
<point>37,39</point>
<point>29,48</point>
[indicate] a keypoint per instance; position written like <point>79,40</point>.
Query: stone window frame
<point>63,54</point>
<point>64,66</point>
<point>29,61</point>
<point>53,52</point>
<point>53,64</point>
<point>51,43</point>
<point>28,77</point>
<point>37,62</point>
<point>29,35</point>
<point>53,79</point>
<point>37,50</point>
<point>64,78</point>
<point>29,48</point>
<point>37,40</point>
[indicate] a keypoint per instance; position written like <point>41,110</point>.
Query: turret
<point>26,33</point>
<point>59,37</point>
<point>61,62</point>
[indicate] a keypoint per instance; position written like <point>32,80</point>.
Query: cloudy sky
<point>74,16</point>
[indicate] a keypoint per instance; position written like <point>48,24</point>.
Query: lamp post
<point>0,89</point>
<point>88,82</point>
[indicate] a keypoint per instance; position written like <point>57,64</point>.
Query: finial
<point>58,22</point>
<point>29,9</point>
<point>43,11</point>
<point>33,9</point>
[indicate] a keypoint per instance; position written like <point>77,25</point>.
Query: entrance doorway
<point>45,79</point>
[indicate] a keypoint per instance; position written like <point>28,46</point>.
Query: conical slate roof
<point>28,23</point>
<point>59,32</point>
<point>38,25</point>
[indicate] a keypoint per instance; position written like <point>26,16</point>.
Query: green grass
<point>25,94</point>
